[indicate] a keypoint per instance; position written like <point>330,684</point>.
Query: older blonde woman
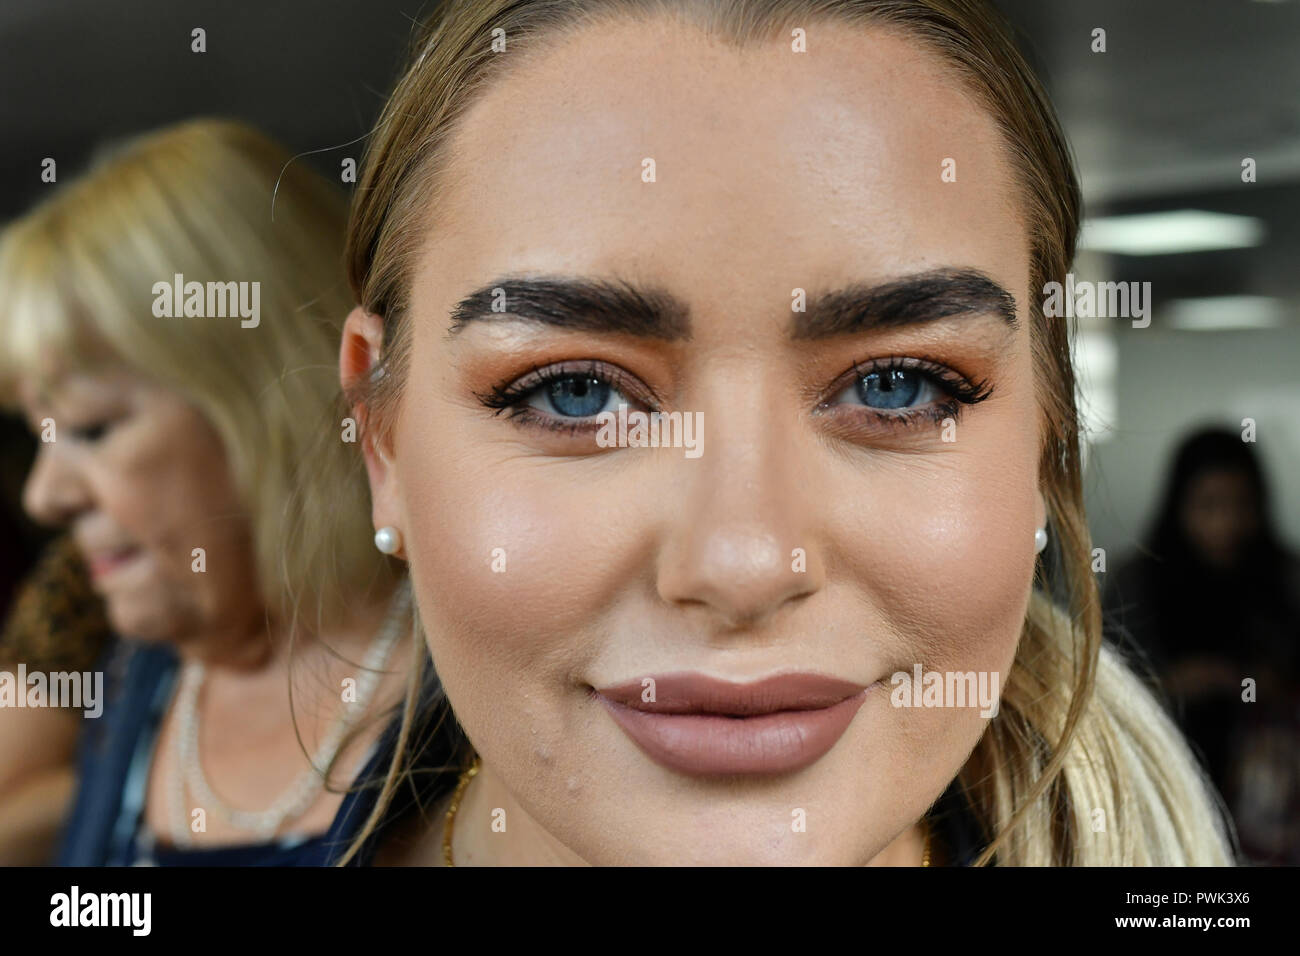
<point>167,328</point>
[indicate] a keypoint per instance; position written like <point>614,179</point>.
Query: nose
<point>741,545</point>
<point>55,491</point>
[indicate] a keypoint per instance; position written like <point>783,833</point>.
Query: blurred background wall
<point>1160,123</point>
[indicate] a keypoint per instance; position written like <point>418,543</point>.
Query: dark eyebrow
<point>580,304</point>
<point>618,306</point>
<point>913,299</point>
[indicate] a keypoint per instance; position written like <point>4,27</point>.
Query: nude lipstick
<point>702,726</point>
<point>105,561</point>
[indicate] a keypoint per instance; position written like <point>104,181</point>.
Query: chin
<point>727,830</point>
<point>142,621</point>
<point>753,846</point>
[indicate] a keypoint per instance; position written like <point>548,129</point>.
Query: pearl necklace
<point>306,789</point>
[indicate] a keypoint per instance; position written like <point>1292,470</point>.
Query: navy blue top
<point>105,826</point>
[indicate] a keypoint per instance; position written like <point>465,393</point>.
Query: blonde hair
<point>1077,732</point>
<point>214,201</point>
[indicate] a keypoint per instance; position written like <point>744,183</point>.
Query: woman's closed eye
<point>88,433</point>
<point>85,432</point>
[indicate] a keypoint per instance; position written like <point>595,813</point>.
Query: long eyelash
<point>961,391</point>
<point>958,386</point>
<point>529,417</point>
<point>507,395</point>
<point>912,416</point>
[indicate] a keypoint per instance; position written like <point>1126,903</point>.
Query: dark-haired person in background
<point>1213,598</point>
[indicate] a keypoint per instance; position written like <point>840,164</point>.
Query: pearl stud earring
<point>1040,540</point>
<point>388,540</point>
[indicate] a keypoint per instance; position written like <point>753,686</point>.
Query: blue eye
<point>892,388</point>
<point>574,396</point>
<point>568,397</point>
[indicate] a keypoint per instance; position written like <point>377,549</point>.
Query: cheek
<point>944,567</point>
<point>943,548</point>
<point>948,567</point>
<point>145,492</point>
<point>168,485</point>
<point>518,564</point>
<point>510,572</point>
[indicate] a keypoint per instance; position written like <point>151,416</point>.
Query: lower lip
<point>102,567</point>
<point>708,744</point>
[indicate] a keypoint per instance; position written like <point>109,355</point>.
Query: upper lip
<point>691,693</point>
<point>103,553</point>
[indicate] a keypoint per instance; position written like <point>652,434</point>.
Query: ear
<point>1040,510</point>
<point>359,355</point>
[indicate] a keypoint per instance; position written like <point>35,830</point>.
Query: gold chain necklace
<point>465,778</point>
<point>472,772</point>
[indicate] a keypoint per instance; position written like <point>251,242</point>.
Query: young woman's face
<point>141,479</point>
<point>862,498</point>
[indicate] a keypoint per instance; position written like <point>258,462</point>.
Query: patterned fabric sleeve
<point>57,622</point>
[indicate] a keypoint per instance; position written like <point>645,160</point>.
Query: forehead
<point>772,169</point>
